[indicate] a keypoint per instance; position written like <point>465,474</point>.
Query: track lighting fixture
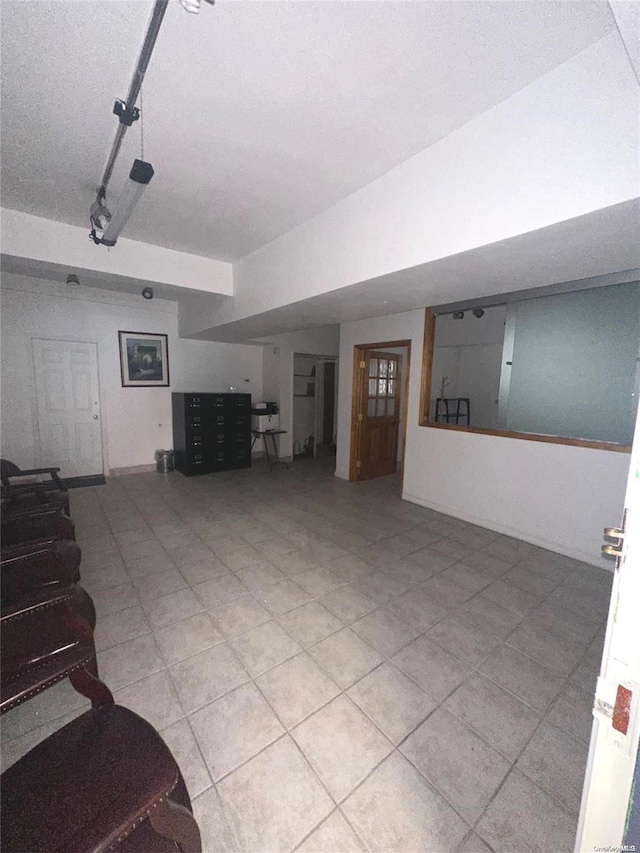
<point>147,292</point>
<point>478,312</point>
<point>193,6</point>
<point>458,315</point>
<point>139,177</point>
<point>73,279</point>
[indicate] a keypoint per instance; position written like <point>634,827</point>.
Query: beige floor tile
<point>497,716</point>
<point>144,567</point>
<point>171,608</point>
<point>310,623</point>
<point>523,577</point>
<point>295,562</point>
<point>154,698</point>
<point>240,615</point>
<point>560,655</point>
<point>510,597</point>
<point>187,555</point>
<point>119,627</point>
<point>572,712</point>
<point>206,570</point>
<point>273,547</point>
<point>253,798</point>
<point>158,585</point>
<point>115,598</point>
<point>188,637</point>
<point>220,590</point>
<point>260,575</point>
<point>207,676</point>
<point>319,581</point>
<point>348,603</point>
<point>283,597</point>
<point>264,647</point>
<point>434,669</point>
<point>345,657</point>
<point>556,762</point>
<point>106,577</point>
<point>349,567</point>
<point>465,769</point>
<point>180,740</point>
<point>468,577</point>
<point>394,702</point>
<point>334,835</point>
<point>215,832</point>
<point>386,631</point>
<point>396,809</point>
<point>473,844</point>
<point>463,639</point>
<point>488,563</point>
<point>489,616</point>
<point>445,592</point>
<point>234,728</point>
<point>296,689</point>
<point>532,683</point>
<point>127,663</point>
<point>431,560</point>
<point>147,547</point>
<point>417,609</point>
<point>523,819</point>
<point>342,745</point>
<point>380,587</point>
<point>242,558</point>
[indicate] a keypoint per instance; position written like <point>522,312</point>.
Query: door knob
<point>95,417</point>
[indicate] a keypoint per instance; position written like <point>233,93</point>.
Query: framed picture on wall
<point>144,359</point>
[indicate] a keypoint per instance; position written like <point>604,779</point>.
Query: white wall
<point>137,421</point>
<point>556,496</point>
<point>560,148</point>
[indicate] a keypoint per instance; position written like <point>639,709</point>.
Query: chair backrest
<point>8,469</point>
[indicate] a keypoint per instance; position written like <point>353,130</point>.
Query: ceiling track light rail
<point>127,112</point>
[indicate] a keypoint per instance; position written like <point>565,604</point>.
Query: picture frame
<point>144,359</point>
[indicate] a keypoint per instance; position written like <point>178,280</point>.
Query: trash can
<point>164,461</point>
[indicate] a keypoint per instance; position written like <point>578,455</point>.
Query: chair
<point>9,471</point>
<point>46,564</point>
<point>35,523</point>
<point>104,782</point>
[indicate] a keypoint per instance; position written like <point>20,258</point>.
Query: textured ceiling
<point>258,115</point>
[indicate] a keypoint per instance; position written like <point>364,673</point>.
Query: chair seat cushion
<point>88,786</point>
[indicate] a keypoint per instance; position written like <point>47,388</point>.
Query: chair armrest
<point>24,472</point>
<point>53,566</point>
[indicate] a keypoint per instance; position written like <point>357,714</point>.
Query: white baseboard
<point>505,530</point>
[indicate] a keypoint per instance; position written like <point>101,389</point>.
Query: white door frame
<point>101,355</point>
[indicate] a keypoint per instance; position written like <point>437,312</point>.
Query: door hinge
<point>363,364</point>
<point>360,416</point>
<point>358,464</point>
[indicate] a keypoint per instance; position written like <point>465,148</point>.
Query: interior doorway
<point>314,422</point>
<point>379,408</point>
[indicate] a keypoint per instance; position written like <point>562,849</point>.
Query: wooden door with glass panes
<point>380,401</point>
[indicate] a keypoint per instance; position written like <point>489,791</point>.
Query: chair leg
<point>88,685</point>
<point>177,823</point>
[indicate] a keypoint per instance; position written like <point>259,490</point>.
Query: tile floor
<point>336,669</point>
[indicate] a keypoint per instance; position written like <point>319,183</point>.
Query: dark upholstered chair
<point>44,640</point>
<point>34,523</point>
<point>48,564</point>
<point>104,782</point>
<point>55,487</point>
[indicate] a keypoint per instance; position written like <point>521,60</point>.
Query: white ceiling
<point>258,115</point>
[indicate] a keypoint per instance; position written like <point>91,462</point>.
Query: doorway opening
<point>315,389</point>
<point>379,408</point>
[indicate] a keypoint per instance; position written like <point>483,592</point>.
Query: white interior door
<point>610,813</point>
<point>69,431</point>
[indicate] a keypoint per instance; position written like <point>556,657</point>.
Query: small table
<point>265,434</point>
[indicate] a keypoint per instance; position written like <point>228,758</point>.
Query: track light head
<point>100,215</point>
<point>147,292</point>
<point>478,312</point>
<point>458,315</point>
<point>193,6</point>
<point>73,279</point>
